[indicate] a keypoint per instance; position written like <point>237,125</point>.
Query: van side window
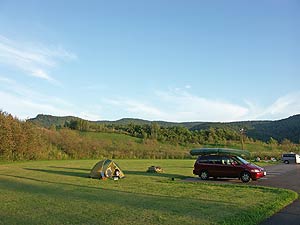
<point>218,160</point>
<point>214,159</point>
<point>225,160</point>
<point>289,155</point>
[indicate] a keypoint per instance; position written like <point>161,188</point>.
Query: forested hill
<point>48,120</point>
<point>288,128</point>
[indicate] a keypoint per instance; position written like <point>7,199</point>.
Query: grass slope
<point>59,192</point>
<point>125,146</point>
<point>125,143</point>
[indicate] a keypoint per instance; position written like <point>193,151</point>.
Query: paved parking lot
<point>282,176</point>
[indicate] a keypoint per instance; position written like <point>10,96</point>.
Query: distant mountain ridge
<point>288,128</point>
<point>49,120</point>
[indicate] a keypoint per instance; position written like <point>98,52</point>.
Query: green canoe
<point>219,151</point>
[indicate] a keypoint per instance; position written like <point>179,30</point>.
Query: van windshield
<point>241,160</point>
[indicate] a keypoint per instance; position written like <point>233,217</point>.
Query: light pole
<point>242,130</point>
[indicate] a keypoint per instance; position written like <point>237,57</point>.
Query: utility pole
<point>242,130</point>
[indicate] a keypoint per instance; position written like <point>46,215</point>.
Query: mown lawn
<point>59,192</point>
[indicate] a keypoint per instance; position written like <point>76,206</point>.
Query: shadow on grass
<point>69,168</point>
<point>133,201</point>
<point>6,183</point>
<point>141,173</point>
<point>86,174</point>
<point>64,173</point>
<point>49,182</point>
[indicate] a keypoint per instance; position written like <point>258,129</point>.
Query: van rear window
<point>288,155</point>
<point>203,159</point>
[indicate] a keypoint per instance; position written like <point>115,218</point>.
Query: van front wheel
<point>245,177</point>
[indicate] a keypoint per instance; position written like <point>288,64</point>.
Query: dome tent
<point>106,168</point>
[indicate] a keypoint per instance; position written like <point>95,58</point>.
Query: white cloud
<point>41,74</point>
<point>134,108</point>
<point>144,109</point>
<point>178,105</point>
<point>184,106</point>
<point>286,104</point>
<point>23,102</point>
<point>89,115</point>
<point>282,107</point>
<point>26,108</point>
<point>6,80</point>
<point>35,60</point>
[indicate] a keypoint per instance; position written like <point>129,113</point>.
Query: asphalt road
<point>282,176</point>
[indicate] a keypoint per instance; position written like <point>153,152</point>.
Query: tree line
<point>174,135</point>
<point>19,139</point>
<point>263,130</point>
<point>24,140</point>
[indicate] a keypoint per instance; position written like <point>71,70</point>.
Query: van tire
<point>286,161</point>
<point>245,177</point>
<point>204,175</point>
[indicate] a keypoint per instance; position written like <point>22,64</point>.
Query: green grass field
<point>59,192</point>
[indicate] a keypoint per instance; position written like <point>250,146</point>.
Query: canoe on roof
<point>219,151</point>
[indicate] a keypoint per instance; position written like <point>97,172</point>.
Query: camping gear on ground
<point>116,175</point>
<point>219,151</point>
<point>106,169</point>
<point>155,169</point>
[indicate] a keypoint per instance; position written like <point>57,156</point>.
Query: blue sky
<point>155,60</point>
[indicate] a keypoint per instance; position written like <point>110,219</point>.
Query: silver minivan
<point>290,158</point>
